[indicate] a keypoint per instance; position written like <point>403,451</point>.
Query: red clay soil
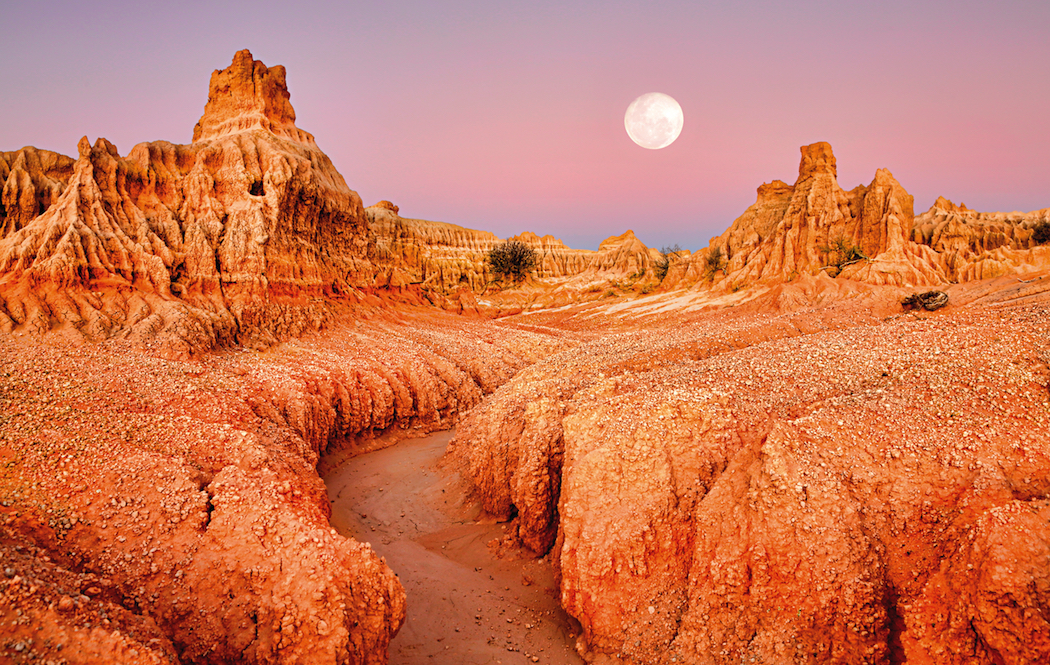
<point>809,476</point>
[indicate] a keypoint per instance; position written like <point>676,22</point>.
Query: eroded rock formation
<point>446,265</point>
<point>869,234</point>
<point>243,235</point>
<point>732,487</point>
<point>974,245</point>
<point>33,180</point>
<point>807,477</point>
<point>438,257</point>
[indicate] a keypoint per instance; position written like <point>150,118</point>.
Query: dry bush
<point>664,262</point>
<point>1041,233</point>
<point>714,262</point>
<point>512,258</point>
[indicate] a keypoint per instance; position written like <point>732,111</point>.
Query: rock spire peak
<point>248,95</point>
<point>817,159</point>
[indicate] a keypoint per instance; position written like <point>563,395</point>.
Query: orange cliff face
<point>241,236</point>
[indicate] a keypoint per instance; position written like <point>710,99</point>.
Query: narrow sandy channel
<point>465,605</point>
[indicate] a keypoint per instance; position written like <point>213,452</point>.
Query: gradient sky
<point>509,116</point>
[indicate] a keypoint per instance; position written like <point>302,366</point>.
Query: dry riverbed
<point>466,603</point>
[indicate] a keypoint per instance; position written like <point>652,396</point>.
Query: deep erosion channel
<point>465,603</point>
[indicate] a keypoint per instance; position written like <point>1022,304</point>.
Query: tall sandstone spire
<point>248,95</point>
<point>242,236</point>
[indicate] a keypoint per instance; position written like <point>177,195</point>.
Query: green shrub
<point>841,252</point>
<point>512,258</point>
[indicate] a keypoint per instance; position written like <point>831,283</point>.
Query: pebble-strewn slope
<point>738,487</point>
<point>162,511</point>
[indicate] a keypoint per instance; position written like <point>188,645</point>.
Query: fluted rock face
<point>436,256</point>
<point>447,263</point>
<point>555,259</point>
<point>32,181</point>
<point>240,236</point>
<point>979,245</point>
<point>868,234</point>
<point>249,95</point>
<point>624,253</point>
<point>802,229</point>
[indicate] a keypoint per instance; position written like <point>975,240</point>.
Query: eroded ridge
<point>872,491</point>
<point>165,511</point>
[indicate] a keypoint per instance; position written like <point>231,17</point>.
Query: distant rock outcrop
<point>437,257</point>
<point>447,263</point>
<point>979,245</point>
<point>816,225</point>
<point>868,234</point>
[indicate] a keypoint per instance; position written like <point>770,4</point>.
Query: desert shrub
<point>1041,233</point>
<point>512,258</point>
<point>660,269</point>
<point>714,261</point>
<point>667,254</point>
<point>841,252</point>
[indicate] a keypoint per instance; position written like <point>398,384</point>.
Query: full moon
<point>654,120</point>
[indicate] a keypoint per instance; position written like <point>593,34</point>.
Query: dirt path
<point>465,605</point>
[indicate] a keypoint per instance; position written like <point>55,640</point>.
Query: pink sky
<point>511,119</point>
